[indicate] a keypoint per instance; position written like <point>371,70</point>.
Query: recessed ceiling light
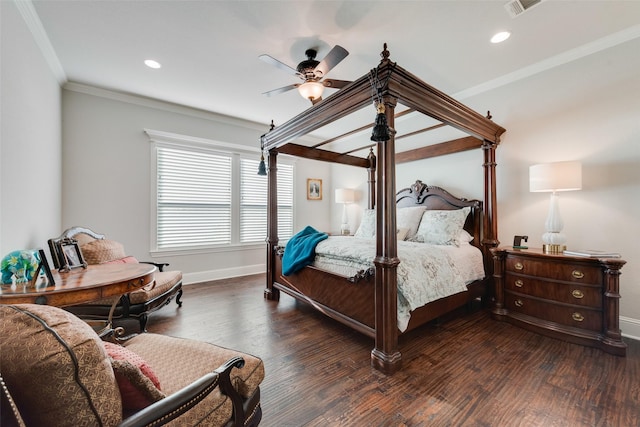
<point>500,37</point>
<point>152,64</point>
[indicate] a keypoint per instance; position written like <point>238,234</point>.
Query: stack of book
<point>592,253</point>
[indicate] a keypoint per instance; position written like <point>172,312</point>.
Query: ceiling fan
<point>311,72</point>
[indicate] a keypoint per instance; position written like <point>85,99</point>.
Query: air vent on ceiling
<point>518,7</point>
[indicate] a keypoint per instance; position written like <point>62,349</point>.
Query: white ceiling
<point>209,49</point>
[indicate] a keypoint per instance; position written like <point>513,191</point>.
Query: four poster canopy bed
<point>371,294</point>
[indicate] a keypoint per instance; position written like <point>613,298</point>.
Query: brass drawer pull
<point>577,317</point>
<point>577,294</point>
<point>518,303</point>
<point>518,266</point>
<point>519,283</point>
<point>577,274</point>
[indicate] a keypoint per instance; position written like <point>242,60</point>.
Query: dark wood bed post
<point>490,218</point>
<point>371,170</point>
<point>270,292</point>
<point>385,355</point>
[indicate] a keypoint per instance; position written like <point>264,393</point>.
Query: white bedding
<point>425,273</point>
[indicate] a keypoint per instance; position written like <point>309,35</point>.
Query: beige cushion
<point>56,368</point>
<point>162,282</point>
<point>103,250</point>
<point>196,359</point>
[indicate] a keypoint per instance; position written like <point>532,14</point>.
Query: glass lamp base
<point>553,249</point>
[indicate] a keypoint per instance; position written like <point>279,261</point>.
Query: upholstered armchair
<point>97,249</point>
<point>56,372</point>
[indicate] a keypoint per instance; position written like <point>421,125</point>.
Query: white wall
<point>30,187</point>
<point>107,181</point>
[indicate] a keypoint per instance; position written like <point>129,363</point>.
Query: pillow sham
<point>367,228</point>
<point>407,221</point>
<point>409,218</point>
<point>465,237</point>
<point>442,227</point>
<point>402,233</point>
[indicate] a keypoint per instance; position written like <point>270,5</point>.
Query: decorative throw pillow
<point>103,250</point>
<point>442,227</point>
<point>139,385</point>
<point>367,229</point>
<point>409,218</point>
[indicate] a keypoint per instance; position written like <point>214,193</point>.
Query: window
<point>253,202</point>
<point>210,196</point>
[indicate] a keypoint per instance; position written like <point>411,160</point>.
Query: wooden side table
<point>575,299</point>
<point>83,285</point>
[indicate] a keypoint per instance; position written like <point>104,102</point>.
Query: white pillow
<point>464,237</point>
<point>442,227</point>
<point>409,218</point>
<point>402,233</point>
<point>367,228</point>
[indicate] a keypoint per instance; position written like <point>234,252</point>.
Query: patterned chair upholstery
<point>56,371</point>
<point>97,249</point>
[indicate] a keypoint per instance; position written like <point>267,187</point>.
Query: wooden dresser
<point>571,298</point>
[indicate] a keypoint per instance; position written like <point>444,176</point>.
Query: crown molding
<point>157,104</point>
<point>571,55</point>
<point>170,107</point>
<point>31,18</point>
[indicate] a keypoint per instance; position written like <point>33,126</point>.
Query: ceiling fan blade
<point>335,84</point>
<point>333,58</point>
<point>271,60</point>
<point>280,90</point>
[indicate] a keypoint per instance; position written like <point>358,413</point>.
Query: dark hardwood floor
<point>468,370</point>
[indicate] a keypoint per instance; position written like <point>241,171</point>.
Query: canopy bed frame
<point>370,307</point>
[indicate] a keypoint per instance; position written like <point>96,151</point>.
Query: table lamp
<point>555,177</point>
<point>345,196</point>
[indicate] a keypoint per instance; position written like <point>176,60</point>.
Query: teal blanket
<point>301,249</point>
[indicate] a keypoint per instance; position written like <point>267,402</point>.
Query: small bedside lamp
<point>345,196</point>
<point>554,177</point>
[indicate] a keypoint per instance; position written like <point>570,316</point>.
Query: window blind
<point>253,202</point>
<point>196,202</point>
<point>194,198</point>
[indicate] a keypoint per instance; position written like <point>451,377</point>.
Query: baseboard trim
<point>630,328</point>
<point>225,273</point>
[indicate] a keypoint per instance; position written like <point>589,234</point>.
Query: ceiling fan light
<point>311,90</point>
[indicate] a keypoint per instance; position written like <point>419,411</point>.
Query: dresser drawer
<point>578,317</point>
<point>571,272</point>
<point>588,296</point>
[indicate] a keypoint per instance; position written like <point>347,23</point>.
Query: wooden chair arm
<point>226,386</point>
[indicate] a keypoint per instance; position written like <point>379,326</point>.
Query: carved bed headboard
<point>436,198</point>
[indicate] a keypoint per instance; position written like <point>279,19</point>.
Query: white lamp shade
<point>345,195</point>
<point>311,90</point>
<point>559,176</point>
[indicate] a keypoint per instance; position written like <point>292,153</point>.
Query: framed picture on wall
<point>314,189</point>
